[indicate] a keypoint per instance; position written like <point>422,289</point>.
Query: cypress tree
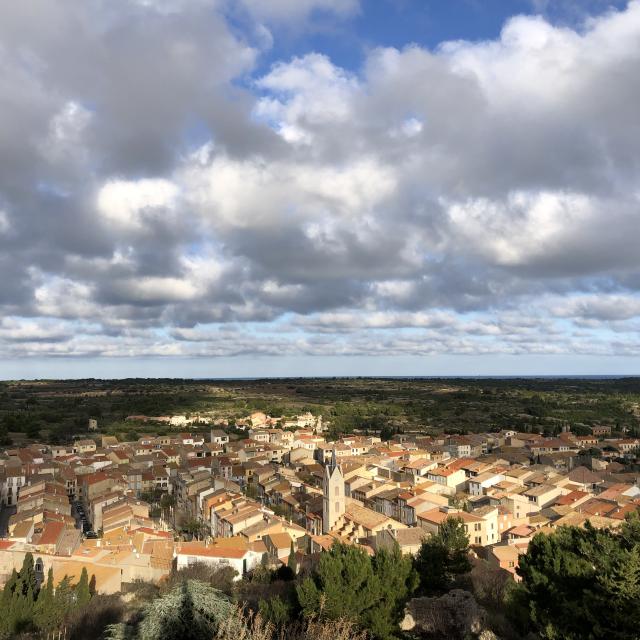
<point>19,597</point>
<point>44,614</point>
<point>7,619</point>
<point>292,562</point>
<point>10,586</point>
<point>62,601</point>
<point>83,594</point>
<point>28,581</point>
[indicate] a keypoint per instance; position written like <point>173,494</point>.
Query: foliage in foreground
<point>582,584</point>
<point>190,611</point>
<point>443,557</point>
<point>349,584</point>
<point>25,607</point>
<point>240,626</point>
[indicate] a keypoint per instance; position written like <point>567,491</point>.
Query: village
<point>270,491</point>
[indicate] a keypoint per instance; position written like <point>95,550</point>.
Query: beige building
<point>481,526</point>
<point>452,480</point>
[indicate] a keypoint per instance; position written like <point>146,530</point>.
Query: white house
<point>239,556</point>
<point>483,481</point>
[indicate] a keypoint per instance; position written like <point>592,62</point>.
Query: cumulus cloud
<point>160,195</point>
<point>126,202</point>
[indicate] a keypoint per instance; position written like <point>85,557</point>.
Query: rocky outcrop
<point>453,615</point>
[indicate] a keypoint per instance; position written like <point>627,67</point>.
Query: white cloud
<point>156,290</point>
<point>4,221</point>
<point>479,197</point>
<point>526,226</point>
<point>305,93</point>
<point>603,307</point>
<point>127,202</point>
<point>256,193</point>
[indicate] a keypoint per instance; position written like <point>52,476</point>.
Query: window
<point>476,526</point>
<point>478,540</point>
<point>337,506</point>
<point>337,491</point>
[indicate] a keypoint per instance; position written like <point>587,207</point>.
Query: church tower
<point>334,501</point>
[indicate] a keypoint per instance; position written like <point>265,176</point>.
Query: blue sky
<point>427,23</point>
<point>320,187</point>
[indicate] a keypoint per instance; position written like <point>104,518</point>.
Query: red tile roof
<point>51,533</point>
<point>199,549</point>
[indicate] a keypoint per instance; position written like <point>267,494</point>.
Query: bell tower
<point>333,489</point>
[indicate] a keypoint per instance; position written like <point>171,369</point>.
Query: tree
<point>386,433</point>
<point>18,598</point>
<point>83,594</point>
<point>28,581</point>
<point>6,620</point>
<point>348,584</point>
<point>193,527</point>
<point>443,556</point>
<point>292,562</point>
<point>584,583</point>
<point>276,611</point>
<point>45,614</point>
<point>63,600</point>
<point>343,585</point>
<point>190,611</point>
<point>398,580</point>
<point>26,591</point>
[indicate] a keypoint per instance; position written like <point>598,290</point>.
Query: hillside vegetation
<point>56,409</point>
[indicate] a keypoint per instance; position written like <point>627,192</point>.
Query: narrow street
<point>5,514</point>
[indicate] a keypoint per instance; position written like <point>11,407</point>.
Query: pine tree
<point>398,580</point>
<point>583,582</point>
<point>343,585</point>
<point>349,584</point>
<point>190,611</point>
<point>83,595</point>
<point>275,610</point>
<point>443,556</point>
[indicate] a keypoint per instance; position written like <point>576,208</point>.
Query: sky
<point>247,188</point>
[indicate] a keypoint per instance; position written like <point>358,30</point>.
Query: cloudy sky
<point>337,187</point>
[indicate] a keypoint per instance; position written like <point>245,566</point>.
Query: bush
<point>241,626</point>
<point>190,611</point>
<point>91,620</point>
<point>221,578</point>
